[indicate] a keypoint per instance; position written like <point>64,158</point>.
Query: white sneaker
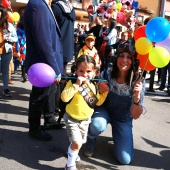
<point>70,168</point>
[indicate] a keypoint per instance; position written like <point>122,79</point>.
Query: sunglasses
<point>126,48</point>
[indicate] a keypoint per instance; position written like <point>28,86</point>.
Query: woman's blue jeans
<point>16,63</point>
<point>5,60</point>
<point>121,131</point>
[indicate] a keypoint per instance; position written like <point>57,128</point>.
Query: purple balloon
<point>165,43</point>
<point>41,75</point>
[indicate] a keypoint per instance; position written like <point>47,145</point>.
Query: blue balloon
<point>157,29</point>
<point>41,75</point>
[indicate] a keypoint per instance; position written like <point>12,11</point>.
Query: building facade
<point>153,8</point>
<point>146,8</point>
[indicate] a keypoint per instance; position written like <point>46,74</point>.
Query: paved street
<point>19,152</point>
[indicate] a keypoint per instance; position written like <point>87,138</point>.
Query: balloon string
<point>144,68</point>
<point>10,8</point>
<point>68,77</point>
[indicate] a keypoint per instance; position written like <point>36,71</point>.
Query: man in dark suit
<point>65,16</point>
<point>43,39</point>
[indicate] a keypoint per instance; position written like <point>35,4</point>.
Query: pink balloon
<point>165,43</point>
<point>41,75</point>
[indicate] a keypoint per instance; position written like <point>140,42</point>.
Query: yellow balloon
<point>119,6</point>
<point>159,57</point>
<point>143,45</point>
<point>16,16</point>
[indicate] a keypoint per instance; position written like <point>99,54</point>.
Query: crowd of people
<point>12,50</point>
<point>105,87</point>
<point>96,28</point>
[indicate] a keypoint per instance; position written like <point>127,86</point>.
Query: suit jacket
<point>65,20</point>
<point>43,37</point>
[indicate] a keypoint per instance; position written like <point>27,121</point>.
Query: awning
<point>19,3</point>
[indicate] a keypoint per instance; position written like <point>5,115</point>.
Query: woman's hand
<point>137,90</point>
<point>103,87</point>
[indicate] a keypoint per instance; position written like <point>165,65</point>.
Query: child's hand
<point>81,80</point>
<point>103,87</point>
<point>18,54</point>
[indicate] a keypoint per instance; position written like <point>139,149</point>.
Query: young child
<point>82,96</point>
<point>89,49</point>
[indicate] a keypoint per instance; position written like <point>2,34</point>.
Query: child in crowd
<point>82,96</point>
<point>16,58</point>
<point>89,49</point>
<point>21,47</point>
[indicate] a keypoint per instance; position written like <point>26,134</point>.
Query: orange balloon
<point>143,59</point>
<point>10,17</point>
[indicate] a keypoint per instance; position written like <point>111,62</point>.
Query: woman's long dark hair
<point>3,18</point>
<point>134,67</point>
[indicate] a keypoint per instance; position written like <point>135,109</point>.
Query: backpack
<point>64,104</point>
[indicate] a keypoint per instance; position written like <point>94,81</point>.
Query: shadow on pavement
<point>105,151</point>
<point>16,145</point>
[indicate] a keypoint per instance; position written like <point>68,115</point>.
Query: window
<point>140,19</point>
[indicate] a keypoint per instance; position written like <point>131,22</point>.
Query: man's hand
<point>57,80</point>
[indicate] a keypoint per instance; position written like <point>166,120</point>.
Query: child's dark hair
<point>85,59</point>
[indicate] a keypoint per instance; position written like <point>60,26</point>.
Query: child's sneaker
<point>7,93</point>
<point>70,168</point>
